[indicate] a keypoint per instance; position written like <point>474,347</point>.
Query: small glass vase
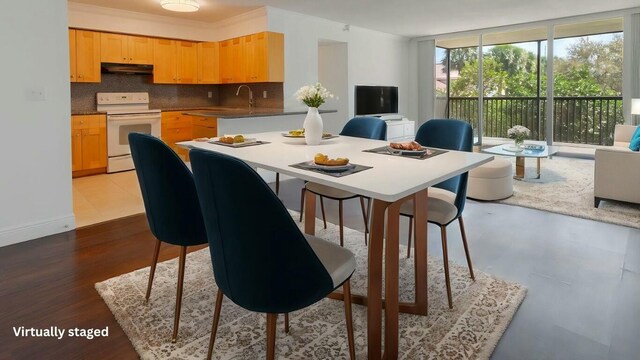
<point>519,143</point>
<point>312,127</point>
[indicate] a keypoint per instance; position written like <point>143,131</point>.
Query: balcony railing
<point>579,120</point>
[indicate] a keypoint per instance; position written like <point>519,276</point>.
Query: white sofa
<point>617,169</point>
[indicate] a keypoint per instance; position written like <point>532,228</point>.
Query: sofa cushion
<point>634,145</point>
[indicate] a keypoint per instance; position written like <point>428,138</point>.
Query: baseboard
<point>36,230</point>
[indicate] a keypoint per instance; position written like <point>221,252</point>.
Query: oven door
<point>119,127</point>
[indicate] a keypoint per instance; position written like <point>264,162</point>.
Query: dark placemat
<point>308,165</point>
<point>429,154</point>
<point>239,145</point>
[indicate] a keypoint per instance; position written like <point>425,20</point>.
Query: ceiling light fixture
<point>180,5</point>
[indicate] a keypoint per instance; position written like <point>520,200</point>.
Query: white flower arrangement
<point>313,95</point>
<point>518,133</point>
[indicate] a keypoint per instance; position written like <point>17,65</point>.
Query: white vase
<point>312,127</point>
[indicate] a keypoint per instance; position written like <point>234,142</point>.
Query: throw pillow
<point>634,145</point>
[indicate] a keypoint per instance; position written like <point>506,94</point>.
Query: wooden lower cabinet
<point>88,144</point>
<point>205,126</point>
<point>177,127</point>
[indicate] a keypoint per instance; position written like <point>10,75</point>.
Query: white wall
<point>375,58</point>
<point>333,73</point>
<point>35,145</point>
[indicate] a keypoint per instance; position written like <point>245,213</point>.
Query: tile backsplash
<point>167,96</point>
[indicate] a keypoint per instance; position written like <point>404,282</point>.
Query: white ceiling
<point>403,17</point>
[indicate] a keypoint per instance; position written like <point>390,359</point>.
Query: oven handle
<point>132,117</point>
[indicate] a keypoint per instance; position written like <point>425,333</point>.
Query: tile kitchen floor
<point>105,197</point>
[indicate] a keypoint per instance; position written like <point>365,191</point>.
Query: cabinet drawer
<point>177,134</point>
<point>176,122</point>
<point>210,121</point>
<point>80,122</point>
<point>200,131</point>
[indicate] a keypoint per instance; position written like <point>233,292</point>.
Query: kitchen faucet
<point>250,94</point>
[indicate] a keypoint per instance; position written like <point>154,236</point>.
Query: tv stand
<point>392,117</point>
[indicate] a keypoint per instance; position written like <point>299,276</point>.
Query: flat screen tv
<point>376,100</point>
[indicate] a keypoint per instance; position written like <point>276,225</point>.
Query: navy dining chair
<point>447,199</point>
<point>367,127</point>
<point>171,205</point>
<point>261,260</point>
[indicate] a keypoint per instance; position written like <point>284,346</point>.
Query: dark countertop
<point>236,113</point>
<point>225,112</point>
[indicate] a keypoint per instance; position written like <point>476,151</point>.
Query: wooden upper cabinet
<point>175,61</point>
<point>187,65</point>
<point>72,55</point>
<point>113,48</point>
<point>129,49</point>
<point>264,53</point>
<point>252,58</point>
<point>140,50</point>
<point>87,56</point>
<point>232,61</point>
<point>208,60</point>
<point>164,61</point>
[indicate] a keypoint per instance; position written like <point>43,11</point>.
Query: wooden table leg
<point>391,281</point>
<point>420,212</point>
<point>310,213</point>
<point>519,167</point>
<point>538,168</point>
<point>374,281</point>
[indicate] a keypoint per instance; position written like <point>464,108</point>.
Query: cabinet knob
<point>131,59</point>
<point>124,58</point>
<point>81,121</point>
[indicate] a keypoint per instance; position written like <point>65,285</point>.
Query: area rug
<point>566,187</point>
<point>482,311</point>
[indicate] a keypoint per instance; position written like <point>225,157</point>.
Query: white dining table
<point>391,181</point>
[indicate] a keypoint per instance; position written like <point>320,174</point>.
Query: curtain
<point>426,80</point>
<point>631,68</point>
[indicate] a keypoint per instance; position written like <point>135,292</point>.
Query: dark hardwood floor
<point>50,282</point>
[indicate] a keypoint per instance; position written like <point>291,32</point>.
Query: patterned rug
<point>566,187</point>
<point>482,311</point>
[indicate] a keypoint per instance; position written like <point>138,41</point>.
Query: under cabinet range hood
<point>134,69</point>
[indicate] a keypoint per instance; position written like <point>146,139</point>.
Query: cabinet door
<point>232,61</point>
<point>72,55</point>
<point>94,147</point>
<point>274,58</point>
<point>187,62</point>
<point>140,50</point>
<point>226,65</point>
<point>113,48</point>
<point>255,48</point>
<point>76,150</point>
<point>87,56</point>
<point>208,70</point>
<point>238,61</point>
<point>164,61</point>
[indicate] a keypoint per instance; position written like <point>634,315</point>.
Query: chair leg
<point>340,221</point>
<point>214,325</point>
<point>152,273</point>
<point>445,260</point>
<point>346,290</point>
<point>324,218</point>
<point>277,183</point>
<point>286,323</point>
<point>366,220</point>
<point>176,318</point>
<point>302,192</point>
<point>409,240</point>
<point>271,335</point>
<point>466,247</point>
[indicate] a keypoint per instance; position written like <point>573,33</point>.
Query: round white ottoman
<point>491,181</point>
